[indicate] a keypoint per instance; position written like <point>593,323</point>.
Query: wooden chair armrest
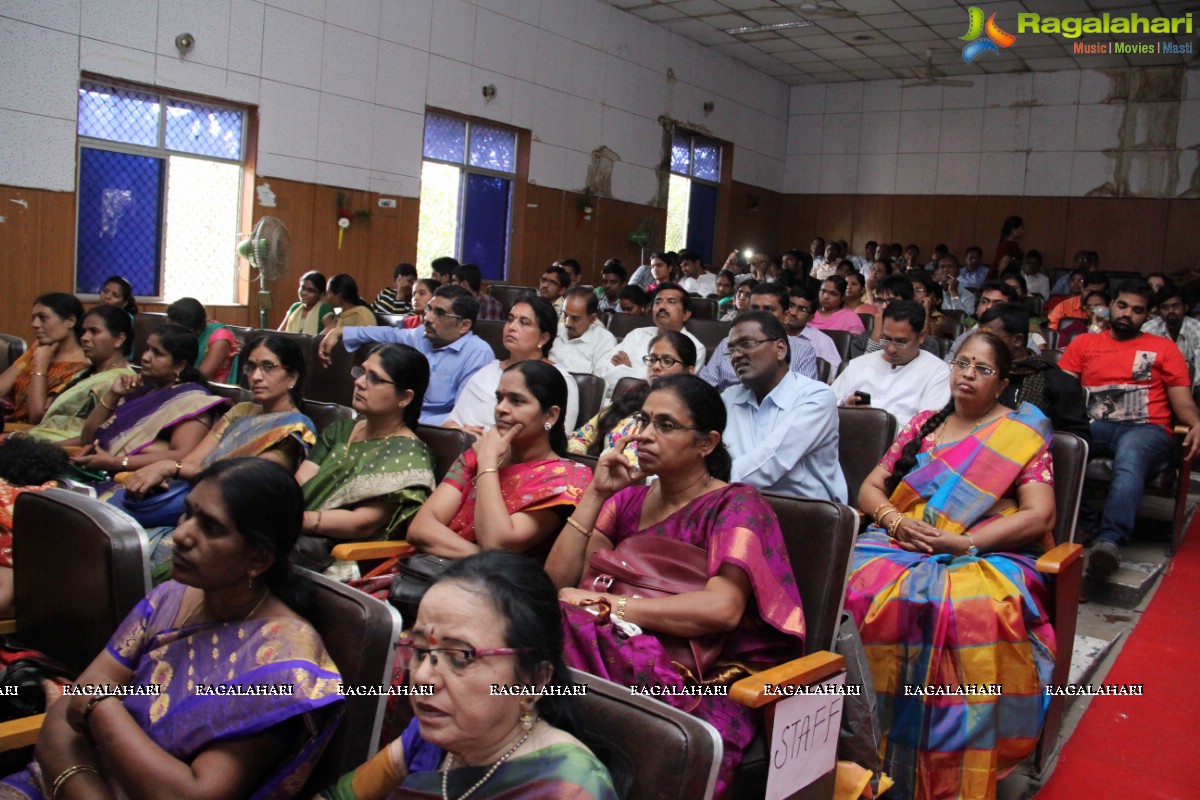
<point>371,551</point>
<point>1060,558</point>
<point>8,626</point>
<point>812,668</point>
<point>13,427</point>
<point>18,733</point>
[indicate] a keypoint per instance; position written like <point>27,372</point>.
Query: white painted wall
<point>342,85</point>
<point>1039,134</point>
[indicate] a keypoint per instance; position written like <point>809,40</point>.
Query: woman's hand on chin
<point>613,471</point>
<point>43,356</point>
<point>493,449</point>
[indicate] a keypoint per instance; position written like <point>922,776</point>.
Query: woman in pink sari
<point>749,607</point>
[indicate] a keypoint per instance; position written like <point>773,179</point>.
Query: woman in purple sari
<point>749,607</point>
<point>159,415</point>
<point>230,691</point>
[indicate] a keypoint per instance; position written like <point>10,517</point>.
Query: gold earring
<point>528,720</point>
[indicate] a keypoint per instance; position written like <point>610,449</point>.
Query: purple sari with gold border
<point>735,526</point>
<point>142,416</point>
<point>280,652</point>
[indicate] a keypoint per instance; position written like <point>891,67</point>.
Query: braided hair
<point>908,456</point>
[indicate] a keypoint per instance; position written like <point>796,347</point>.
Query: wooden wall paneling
<point>294,207</point>
<point>577,237</point>
<point>913,222</point>
<point>990,213</point>
<point>617,220</point>
<point>835,217</point>
<point>410,222</point>
<point>753,216</point>
<point>384,248</point>
<point>872,220</point>
<point>797,221</point>
<point>1128,233</point>
<point>1182,254</point>
<point>955,224</point>
<point>37,251</point>
<point>541,233</point>
<point>353,256</point>
<point>1046,230</point>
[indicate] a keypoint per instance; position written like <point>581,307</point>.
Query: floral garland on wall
<point>344,216</point>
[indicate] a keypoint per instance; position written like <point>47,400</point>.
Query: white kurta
<point>476,404</point>
<point>585,354</point>
<point>919,385</point>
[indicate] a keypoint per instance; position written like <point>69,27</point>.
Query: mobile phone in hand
<point>864,399</point>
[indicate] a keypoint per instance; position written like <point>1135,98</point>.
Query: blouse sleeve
<point>582,439</point>
<point>329,439</point>
<point>907,433</point>
<point>1039,470</point>
<point>462,471</point>
<point>130,638</point>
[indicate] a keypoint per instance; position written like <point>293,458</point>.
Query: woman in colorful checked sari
<point>515,487</point>
<point>228,619</point>
<point>944,588</point>
<point>749,609</point>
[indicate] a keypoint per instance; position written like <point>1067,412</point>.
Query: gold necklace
<point>201,604</point>
<point>449,765</point>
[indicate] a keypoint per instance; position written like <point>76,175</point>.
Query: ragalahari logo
<point>996,38</point>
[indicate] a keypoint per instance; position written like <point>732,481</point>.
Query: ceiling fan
<point>926,74</point>
<point>819,10</point>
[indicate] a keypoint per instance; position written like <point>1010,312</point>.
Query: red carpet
<point>1145,747</point>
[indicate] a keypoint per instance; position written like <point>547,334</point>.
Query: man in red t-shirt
<point>1134,382</point>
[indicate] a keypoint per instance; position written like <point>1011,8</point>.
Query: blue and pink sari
<point>283,652</point>
<point>142,417</point>
<point>967,621</point>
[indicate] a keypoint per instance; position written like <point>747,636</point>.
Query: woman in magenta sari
<point>515,487</point>
<point>228,621</point>
<point>749,606</point>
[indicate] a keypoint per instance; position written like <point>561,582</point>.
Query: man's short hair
<point>771,327</point>
<point>572,263</point>
<point>563,276</point>
<point>471,274</point>
<point>898,286</point>
<point>1101,293</point>
<point>802,293</point>
<point>611,268</point>
<point>776,290</point>
<point>1034,255</point>
<point>1013,318</point>
<point>909,311</point>
<point>1010,294</point>
<point>1169,291</point>
<point>406,269</point>
<point>1138,286</point>
<point>1096,278</point>
<point>872,243</point>
<point>444,265</point>
<point>974,248</point>
<point>462,302</point>
<point>687,298</point>
<point>593,301</point>
<point>634,294</point>
<point>689,255</point>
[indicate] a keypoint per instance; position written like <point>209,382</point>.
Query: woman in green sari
<point>366,477</point>
<point>107,341</point>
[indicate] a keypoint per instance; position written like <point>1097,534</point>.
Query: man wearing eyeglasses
<point>782,428</point>
<point>553,286</point>
<point>771,298</point>
<point>902,379</point>
<point>447,339</point>
<point>801,306</point>
<point>582,343</point>
<point>671,309</point>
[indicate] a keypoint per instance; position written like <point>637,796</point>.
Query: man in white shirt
<point>782,428</point>
<point>801,308</point>
<point>824,267</point>
<point>695,280</point>
<point>672,307</point>
<point>1036,281</point>
<point>902,379</point>
<point>582,343</point>
<point>863,263</point>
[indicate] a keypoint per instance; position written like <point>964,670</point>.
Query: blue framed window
<point>159,193</point>
<point>467,180</point>
<point>692,193</point>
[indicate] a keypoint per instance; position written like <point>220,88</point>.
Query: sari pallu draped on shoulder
<point>58,375</point>
<point>183,663</point>
<point>141,417</point>
<point>65,417</point>
<point>943,622</point>
<point>734,525</point>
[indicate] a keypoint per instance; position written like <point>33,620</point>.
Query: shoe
<point>1104,560</point>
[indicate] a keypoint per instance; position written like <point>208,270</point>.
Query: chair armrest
<point>812,668</point>
<point>1060,558</point>
<point>8,626</point>
<point>18,733</point>
<point>13,427</point>
<point>371,551</point>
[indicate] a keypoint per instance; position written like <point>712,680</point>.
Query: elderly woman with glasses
<point>743,613</point>
<point>366,477</point>
<point>492,619</point>
<point>944,585</point>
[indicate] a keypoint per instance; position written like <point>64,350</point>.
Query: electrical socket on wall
<point>387,202</point>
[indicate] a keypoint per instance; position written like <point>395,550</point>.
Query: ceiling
<point>887,39</point>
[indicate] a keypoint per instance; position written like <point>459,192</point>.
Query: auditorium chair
<point>841,340</point>
<point>864,435</point>
<point>11,348</point>
<point>710,332</point>
<point>619,325</point>
<point>325,414</point>
<point>492,332</point>
<point>508,293</point>
<point>144,322</point>
<point>591,396</point>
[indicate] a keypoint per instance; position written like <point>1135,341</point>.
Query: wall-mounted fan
<point>268,248</point>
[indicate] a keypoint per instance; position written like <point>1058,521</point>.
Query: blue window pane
<point>681,153</point>
<point>485,224</point>
<point>120,202</point>
<point>445,138</point>
<point>204,130</point>
<point>118,115</point>
<point>707,157</point>
<point>702,220</point>
<point>493,148</point>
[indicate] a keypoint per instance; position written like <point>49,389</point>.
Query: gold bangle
<point>586,533</point>
<point>620,610</point>
<point>483,472</point>
<point>882,522</point>
<point>125,463</point>
<point>37,374</point>
<point>100,399</point>
<point>894,528</point>
<point>878,508</point>
<point>67,774</point>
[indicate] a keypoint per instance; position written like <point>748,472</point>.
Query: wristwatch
<point>972,550</point>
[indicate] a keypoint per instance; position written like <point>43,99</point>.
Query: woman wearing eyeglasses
<point>671,353</point>
<point>744,614</point>
<point>366,477</point>
<point>944,585</point>
<point>490,620</point>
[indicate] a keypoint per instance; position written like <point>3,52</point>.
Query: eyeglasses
<point>459,658</point>
<point>440,313</point>
<point>267,367</point>
<point>800,309</point>
<point>899,343</point>
<point>962,365</point>
<point>664,426</point>
<point>372,378</point>
<point>666,361</point>
<point>746,345</point>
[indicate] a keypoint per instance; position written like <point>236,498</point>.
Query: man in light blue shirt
<point>447,340</point>
<point>782,430</point>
